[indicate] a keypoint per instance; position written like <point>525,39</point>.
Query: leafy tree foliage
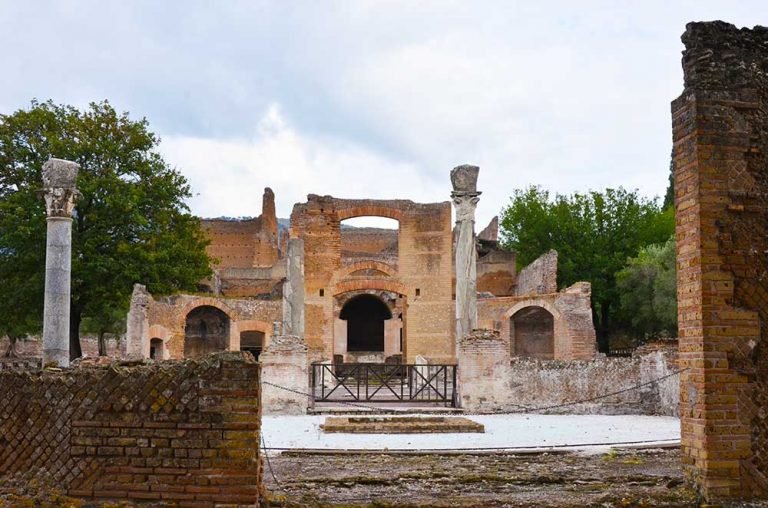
<point>594,233</point>
<point>131,225</point>
<point>648,291</point>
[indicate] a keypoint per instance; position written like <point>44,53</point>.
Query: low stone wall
<point>490,382</point>
<point>21,363</point>
<point>33,347</point>
<point>542,384</point>
<point>175,432</point>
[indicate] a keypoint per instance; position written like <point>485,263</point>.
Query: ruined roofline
<point>387,203</point>
<point>267,211</point>
<point>719,56</point>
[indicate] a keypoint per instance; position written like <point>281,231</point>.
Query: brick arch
<point>377,284</point>
<point>533,302</point>
<point>159,332</point>
<point>369,211</point>
<point>367,264</point>
<point>204,301</point>
<point>255,325</point>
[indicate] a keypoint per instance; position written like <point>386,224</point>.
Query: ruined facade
<point>720,128</point>
<point>360,294</point>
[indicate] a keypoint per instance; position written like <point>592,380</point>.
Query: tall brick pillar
<point>720,131</point>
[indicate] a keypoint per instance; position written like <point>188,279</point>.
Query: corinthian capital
<point>59,192</point>
<point>465,205</point>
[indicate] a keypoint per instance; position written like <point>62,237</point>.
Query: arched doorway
<point>252,341</point>
<point>533,333</point>
<point>365,315</point>
<point>156,349</point>
<point>206,330</point>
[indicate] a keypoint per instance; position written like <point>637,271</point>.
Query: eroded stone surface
<point>400,425</point>
<point>622,478</point>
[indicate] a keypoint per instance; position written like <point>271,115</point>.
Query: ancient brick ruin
<point>178,432</point>
<point>369,294</point>
<point>720,127</point>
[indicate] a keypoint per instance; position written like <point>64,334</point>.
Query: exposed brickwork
<point>245,243</point>
<point>540,277</point>
<point>574,332</point>
<point>496,273</point>
<point>166,319</point>
<point>369,243</point>
<point>414,262</point>
<point>184,432</point>
<point>424,264</point>
<point>720,129</point>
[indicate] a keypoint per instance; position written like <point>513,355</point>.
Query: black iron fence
<point>386,383</point>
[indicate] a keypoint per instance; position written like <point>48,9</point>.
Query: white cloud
<point>229,175</point>
<point>378,98</point>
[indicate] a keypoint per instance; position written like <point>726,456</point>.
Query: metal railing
<point>386,383</point>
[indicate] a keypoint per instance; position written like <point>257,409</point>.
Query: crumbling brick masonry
<point>720,128</point>
<point>182,432</point>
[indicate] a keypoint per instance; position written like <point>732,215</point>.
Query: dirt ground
<point>618,478</point>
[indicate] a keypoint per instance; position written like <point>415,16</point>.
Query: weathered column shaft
<point>58,267</point>
<point>137,324</point>
<point>293,289</point>
<point>465,197</point>
<point>59,177</point>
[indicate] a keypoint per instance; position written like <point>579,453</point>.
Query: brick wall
<point>539,277</point>
<point>422,275</point>
<point>574,333</point>
<point>245,243</point>
<point>369,243</point>
<point>180,432</point>
<point>496,273</point>
<point>720,131</point>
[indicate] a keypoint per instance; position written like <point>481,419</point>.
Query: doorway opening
<point>365,315</point>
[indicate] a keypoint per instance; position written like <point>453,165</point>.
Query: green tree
<point>132,224</point>
<point>669,196</point>
<point>594,233</point>
<point>648,291</point>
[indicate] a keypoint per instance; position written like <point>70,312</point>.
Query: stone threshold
<point>401,425</point>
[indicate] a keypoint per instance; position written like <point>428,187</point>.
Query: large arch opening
<point>206,330</point>
<point>532,331</point>
<point>365,315</point>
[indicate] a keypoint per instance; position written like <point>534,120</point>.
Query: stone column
<point>60,194</point>
<point>137,324</point>
<point>293,290</point>
<point>465,197</point>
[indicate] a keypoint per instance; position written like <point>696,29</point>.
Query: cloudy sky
<point>376,98</point>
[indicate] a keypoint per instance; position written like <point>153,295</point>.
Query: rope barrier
<point>524,409</point>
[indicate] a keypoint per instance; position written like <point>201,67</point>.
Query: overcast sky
<point>374,99</point>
